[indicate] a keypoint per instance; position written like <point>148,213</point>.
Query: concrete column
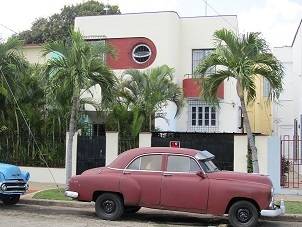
<point>268,148</point>
<point>240,152</point>
<point>74,152</point>
<point>111,146</point>
<point>145,139</point>
<point>262,151</point>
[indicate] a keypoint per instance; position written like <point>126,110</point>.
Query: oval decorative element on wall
<point>131,53</point>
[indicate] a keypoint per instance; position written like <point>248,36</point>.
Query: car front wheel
<point>11,200</point>
<point>243,214</point>
<point>109,206</point>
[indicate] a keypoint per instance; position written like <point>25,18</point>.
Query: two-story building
<point>146,40</point>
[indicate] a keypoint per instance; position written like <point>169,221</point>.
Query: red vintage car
<point>177,179</point>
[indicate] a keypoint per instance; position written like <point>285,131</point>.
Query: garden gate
<point>91,152</point>
<point>291,162</point>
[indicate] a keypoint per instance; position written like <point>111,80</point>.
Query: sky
<point>278,20</point>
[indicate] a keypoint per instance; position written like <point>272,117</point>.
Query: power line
<point>8,28</point>
<point>215,11</point>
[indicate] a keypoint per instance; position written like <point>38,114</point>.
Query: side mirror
<point>201,174</point>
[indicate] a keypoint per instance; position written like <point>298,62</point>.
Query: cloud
<point>277,20</point>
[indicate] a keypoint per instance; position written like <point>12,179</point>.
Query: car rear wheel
<point>11,200</point>
<point>109,206</point>
<point>132,209</point>
<point>243,214</point>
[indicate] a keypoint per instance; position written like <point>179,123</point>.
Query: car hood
<point>94,171</point>
<point>10,172</point>
<point>236,176</point>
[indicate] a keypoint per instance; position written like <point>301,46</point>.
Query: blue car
<point>13,183</point>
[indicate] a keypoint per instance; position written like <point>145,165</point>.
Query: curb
<point>45,202</point>
<point>85,205</point>
<point>286,217</point>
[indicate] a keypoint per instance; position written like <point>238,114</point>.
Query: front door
<point>182,188</point>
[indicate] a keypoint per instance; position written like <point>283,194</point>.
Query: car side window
<point>148,162</point>
<point>135,164</point>
<point>182,164</point>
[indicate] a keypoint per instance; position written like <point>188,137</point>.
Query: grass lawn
<point>52,194</point>
<point>293,207</point>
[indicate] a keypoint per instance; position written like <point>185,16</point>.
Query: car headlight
<point>3,187</point>
<point>272,203</point>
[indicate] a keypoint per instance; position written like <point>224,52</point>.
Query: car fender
<point>131,190</point>
<point>225,191</point>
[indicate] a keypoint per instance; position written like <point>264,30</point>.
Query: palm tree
<point>148,93</point>
<point>244,58</point>
<point>12,66</point>
<point>77,67</point>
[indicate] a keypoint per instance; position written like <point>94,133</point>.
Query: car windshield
<point>208,166</point>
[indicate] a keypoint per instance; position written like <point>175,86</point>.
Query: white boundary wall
<point>240,152</point>
<point>145,139</point>
<point>111,146</point>
<point>41,174</point>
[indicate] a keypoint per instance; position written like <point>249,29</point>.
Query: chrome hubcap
<point>108,206</point>
<point>243,215</point>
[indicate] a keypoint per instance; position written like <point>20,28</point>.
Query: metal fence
<point>219,144</point>
<point>127,143</point>
<point>23,150</point>
<point>291,163</point>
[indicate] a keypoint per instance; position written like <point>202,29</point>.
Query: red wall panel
<point>123,48</point>
<point>192,88</point>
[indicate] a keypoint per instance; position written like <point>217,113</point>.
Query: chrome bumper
<point>276,211</point>
<point>71,194</point>
<point>13,187</point>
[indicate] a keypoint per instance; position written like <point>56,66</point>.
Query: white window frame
<point>200,118</point>
<point>203,53</point>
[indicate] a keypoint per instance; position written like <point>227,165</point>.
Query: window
<point>208,166</point>
<point>148,162</point>
<point>266,87</point>
<point>182,164</point>
<point>141,53</point>
<point>198,56</point>
<point>202,117</point>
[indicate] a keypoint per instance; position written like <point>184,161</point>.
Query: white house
<point>146,40</point>
<point>288,111</point>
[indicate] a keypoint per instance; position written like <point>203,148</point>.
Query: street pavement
<point>23,215</point>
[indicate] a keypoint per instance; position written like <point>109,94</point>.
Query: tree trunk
<point>150,123</point>
<point>248,129</point>
<point>72,128</point>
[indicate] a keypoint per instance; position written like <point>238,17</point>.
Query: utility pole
<point>206,8</point>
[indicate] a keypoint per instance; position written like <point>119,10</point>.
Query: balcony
<point>193,88</point>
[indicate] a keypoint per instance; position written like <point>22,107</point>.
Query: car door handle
<point>168,174</point>
<point>126,172</point>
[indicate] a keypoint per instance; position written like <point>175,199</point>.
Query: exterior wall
<point>33,54</point>
<point>145,139</point>
<point>123,56</point>
<point>287,107</point>
<point>174,40</point>
<point>45,175</point>
<point>240,153</point>
<point>260,111</point>
<point>111,146</point>
<point>269,158</point>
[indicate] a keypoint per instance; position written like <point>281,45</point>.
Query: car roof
<point>123,159</point>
